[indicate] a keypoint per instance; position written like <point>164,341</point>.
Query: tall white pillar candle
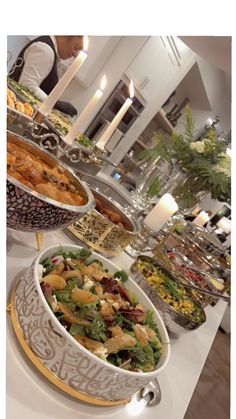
<point>115,122</point>
<point>81,122</point>
<point>201,219</point>
<point>224,224</point>
<point>160,214</point>
<point>62,84</point>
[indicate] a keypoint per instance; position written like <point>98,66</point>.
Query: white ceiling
<point>215,49</point>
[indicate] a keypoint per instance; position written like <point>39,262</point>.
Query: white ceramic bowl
<point>62,355</point>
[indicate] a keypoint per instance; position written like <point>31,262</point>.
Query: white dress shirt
<point>39,59</point>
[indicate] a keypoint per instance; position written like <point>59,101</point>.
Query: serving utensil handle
<point>206,292</point>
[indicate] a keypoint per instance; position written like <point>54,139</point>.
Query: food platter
<point>56,121</point>
<point>180,309</point>
<point>23,93</point>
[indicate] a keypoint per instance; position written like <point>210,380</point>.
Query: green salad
<point>98,310</point>
<point>170,291</point>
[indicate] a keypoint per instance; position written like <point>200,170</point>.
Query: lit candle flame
<point>103,83</point>
<point>85,43</point>
<point>131,89</point>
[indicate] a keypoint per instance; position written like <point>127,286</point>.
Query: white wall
<point>199,116</point>
<point>218,90</point>
<point>208,89</point>
<point>114,68</point>
<point>150,111</point>
<point>14,46</point>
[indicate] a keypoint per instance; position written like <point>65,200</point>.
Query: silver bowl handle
<point>151,393</point>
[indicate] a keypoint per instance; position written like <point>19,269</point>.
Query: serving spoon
<point>205,275</point>
<point>205,291</point>
<point>190,264</point>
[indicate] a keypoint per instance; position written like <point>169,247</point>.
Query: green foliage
<point>162,148</point>
<point>154,188</point>
<point>189,125</point>
<point>199,159</point>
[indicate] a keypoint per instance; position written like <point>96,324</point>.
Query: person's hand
<point>65,107</point>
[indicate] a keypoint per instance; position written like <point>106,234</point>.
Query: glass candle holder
<point>145,241</point>
<point>152,224</point>
<point>152,182</point>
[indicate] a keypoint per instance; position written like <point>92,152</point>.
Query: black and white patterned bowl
<point>30,211</point>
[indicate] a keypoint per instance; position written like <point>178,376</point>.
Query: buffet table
<point>30,395</point>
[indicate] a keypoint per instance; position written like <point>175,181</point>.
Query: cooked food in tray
<point>169,290</point>
<point>62,124</point>
<point>189,273</point>
<point>98,310</point>
<point>57,120</point>
<point>12,101</point>
<point>34,173</point>
<point>111,215</point>
<point>193,275</point>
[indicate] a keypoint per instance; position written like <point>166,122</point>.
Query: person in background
<point>36,66</point>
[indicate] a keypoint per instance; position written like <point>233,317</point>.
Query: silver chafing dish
<point>176,322</point>
<point>102,234</point>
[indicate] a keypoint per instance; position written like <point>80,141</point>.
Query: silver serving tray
<point>111,204</point>
<point>188,264</point>
<point>75,145</point>
<point>105,188</point>
<point>176,323</point>
<point>21,123</point>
